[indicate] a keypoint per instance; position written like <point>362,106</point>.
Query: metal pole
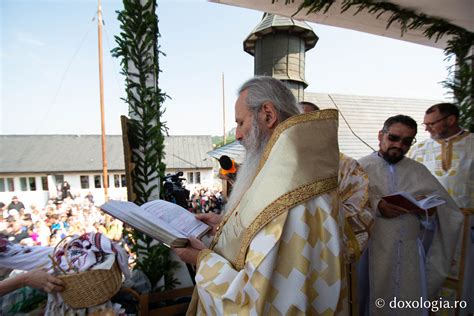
<point>102,114</point>
<point>223,109</point>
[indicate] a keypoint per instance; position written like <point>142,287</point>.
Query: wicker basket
<point>91,287</point>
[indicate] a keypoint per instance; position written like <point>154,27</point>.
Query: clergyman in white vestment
<point>449,156</point>
<point>410,252</point>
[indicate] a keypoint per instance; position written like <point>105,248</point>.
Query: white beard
<point>254,144</point>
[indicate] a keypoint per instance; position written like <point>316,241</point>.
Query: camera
<point>174,190</point>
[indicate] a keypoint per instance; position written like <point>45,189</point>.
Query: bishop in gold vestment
<point>278,250</point>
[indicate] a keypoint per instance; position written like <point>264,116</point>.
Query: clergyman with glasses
<point>410,251</point>
<point>449,156</point>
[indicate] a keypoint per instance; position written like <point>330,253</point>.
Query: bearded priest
<point>277,250</point>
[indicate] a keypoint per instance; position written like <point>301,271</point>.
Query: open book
<point>409,202</point>
<point>164,221</point>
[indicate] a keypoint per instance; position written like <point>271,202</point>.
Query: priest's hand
<point>391,210</point>
<point>211,219</point>
<point>190,253</point>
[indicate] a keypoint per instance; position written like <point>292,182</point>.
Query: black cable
<point>347,123</point>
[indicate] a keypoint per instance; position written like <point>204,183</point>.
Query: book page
<point>431,201</point>
<point>176,216</point>
<point>138,218</point>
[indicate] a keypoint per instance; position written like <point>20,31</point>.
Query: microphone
<point>227,167</point>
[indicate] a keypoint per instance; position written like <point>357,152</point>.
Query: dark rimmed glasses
<point>430,125</point>
<point>407,141</point>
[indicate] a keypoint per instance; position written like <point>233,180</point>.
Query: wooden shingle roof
<point>365,115</point>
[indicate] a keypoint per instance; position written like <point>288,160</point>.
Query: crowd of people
<point>48,225</point>
<point>67,215</point>
<point>205,200</point>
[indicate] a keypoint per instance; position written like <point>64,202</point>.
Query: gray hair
<point>262,89</point>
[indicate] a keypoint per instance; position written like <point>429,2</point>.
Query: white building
<point>32,166</point>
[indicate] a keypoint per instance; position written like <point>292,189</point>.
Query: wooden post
<point>105,175</point>
<point>127,154</point>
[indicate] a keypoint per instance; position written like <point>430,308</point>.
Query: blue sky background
<point>49,65</point>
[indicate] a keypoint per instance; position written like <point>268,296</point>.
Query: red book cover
<point>400,200</point>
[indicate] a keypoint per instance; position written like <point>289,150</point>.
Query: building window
<point>194,177</point>
<point>124,180</point>
<point>32,183</point>
<point>23,184</point>
<point>117,180</point>
<point>59,179</point>
<point>2,185</point>
<point>84,182</point>
<point>10,184</point>
<point>44,183</point>
<point>97,182</point>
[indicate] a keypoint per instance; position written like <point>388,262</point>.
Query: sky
<point>49,80</point>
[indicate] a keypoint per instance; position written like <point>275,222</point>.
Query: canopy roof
<point>458,12</point>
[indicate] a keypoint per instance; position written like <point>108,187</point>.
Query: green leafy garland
<point>459,45</point>
<point>139,50</point>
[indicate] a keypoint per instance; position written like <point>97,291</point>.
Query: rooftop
<point>73,153</point>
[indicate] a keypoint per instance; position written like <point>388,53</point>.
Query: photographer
<point>174,189</point>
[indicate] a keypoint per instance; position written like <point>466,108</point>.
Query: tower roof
<point>271,23</point>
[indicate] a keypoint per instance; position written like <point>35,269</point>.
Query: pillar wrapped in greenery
<point>139,52</point>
